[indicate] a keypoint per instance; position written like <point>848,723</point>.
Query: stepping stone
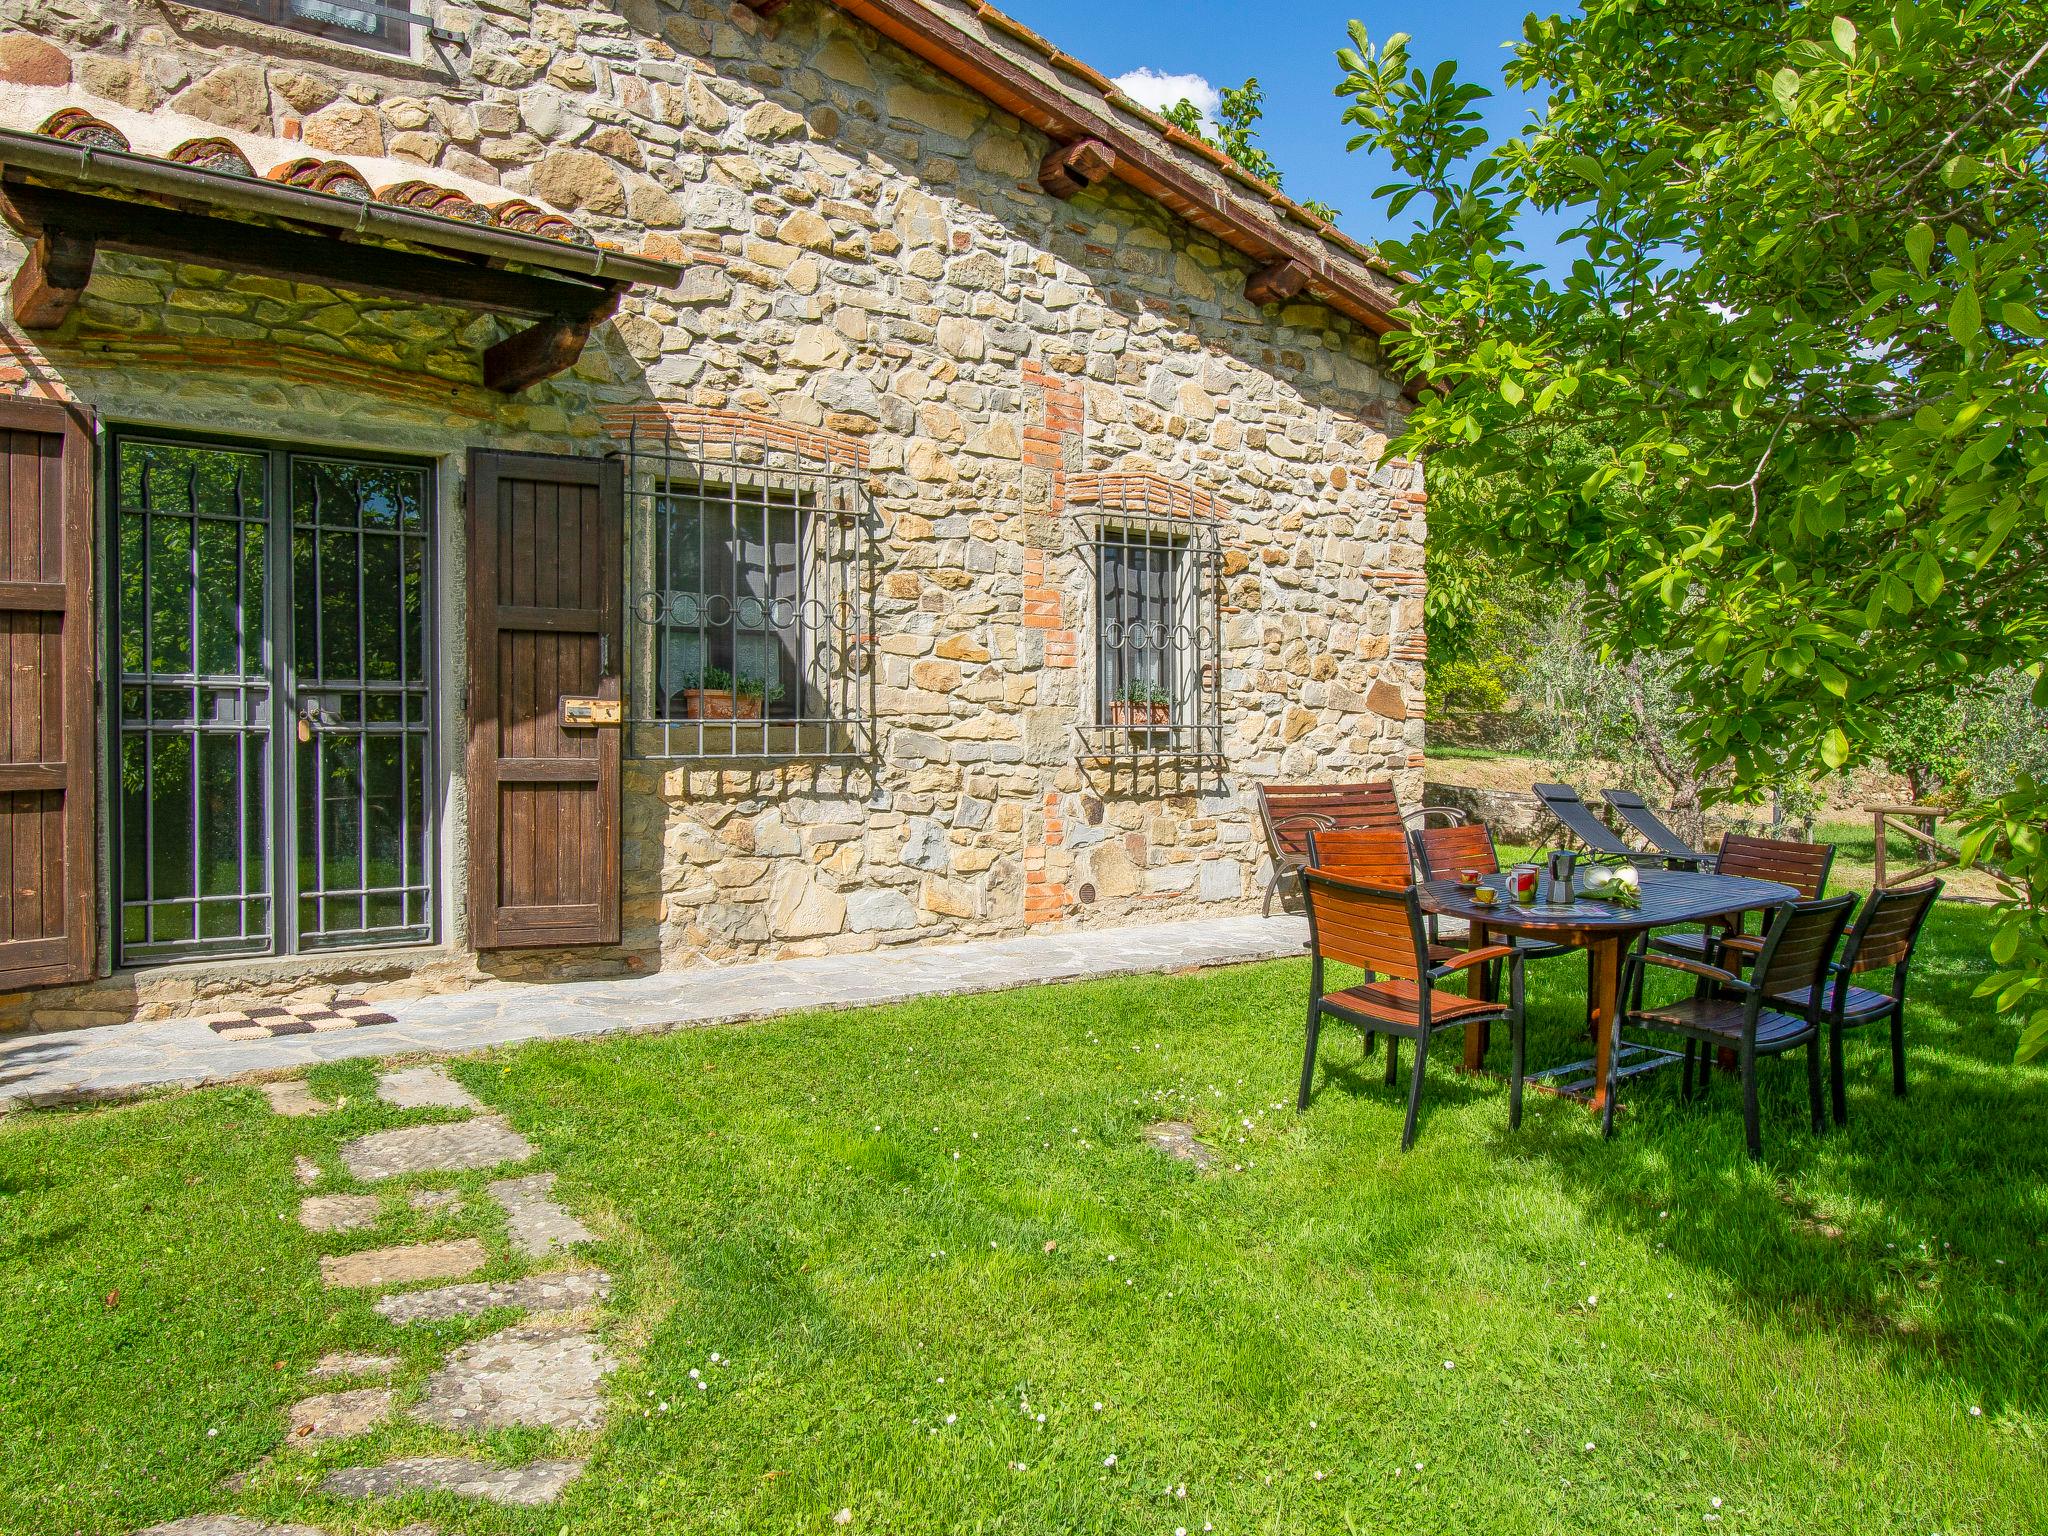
<point>532,1376</point>
<point>347,1363</point>
<point>485,1142</point>
<point>572,1291</point>
<point>538,1482</point>
<point>306,1171</point>
<point>538,1225</point>
<point>292,1098</point>
<point>338,1415</point>
<point>401,1266</point>
<point>424,1200</point>
<point>227,1525</point>
<point>338,1213</point>
<point>424,1088</point>
<point>1176,1139</point>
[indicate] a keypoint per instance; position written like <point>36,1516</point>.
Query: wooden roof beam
<point>1073,168</point>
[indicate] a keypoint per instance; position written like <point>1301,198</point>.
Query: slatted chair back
<point>1441,852</point>
<point>1563,802</point>
<point>1802,939</point>
<point>1292,811</point>
<point>1888,927</point>
<point>1377,928</point>
<point>1371,855</point>
<point>1803,866</point>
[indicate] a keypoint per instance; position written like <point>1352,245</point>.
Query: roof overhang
<point>70,201</point>
<point>1097,133</point>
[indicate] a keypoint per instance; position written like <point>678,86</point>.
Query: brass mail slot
<point>587,713</point>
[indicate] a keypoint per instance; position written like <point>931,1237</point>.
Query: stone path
<point>122,1060</point>
<point>546,1369</point>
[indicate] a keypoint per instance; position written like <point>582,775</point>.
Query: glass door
<point>273,726</point>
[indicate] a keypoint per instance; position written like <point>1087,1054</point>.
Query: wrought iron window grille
<point>750,616</point>
<point>1158,644</point>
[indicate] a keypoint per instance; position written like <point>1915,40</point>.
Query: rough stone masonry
<point>873,265</point>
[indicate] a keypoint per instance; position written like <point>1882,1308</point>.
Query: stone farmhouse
<point>536,487</point>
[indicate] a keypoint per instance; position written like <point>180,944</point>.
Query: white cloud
<point>1158,91</point>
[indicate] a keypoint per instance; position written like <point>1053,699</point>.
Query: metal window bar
<point>1158,637</point>
<point>751,576</point>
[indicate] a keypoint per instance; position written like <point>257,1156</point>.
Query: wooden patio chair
<point>1594,835</point>
<point>1749,1017</point>
<point>1884,935</point>
<point>1803,866</point>
<point>1633,809</point>
<point>1441,852</point>
<point>1379,930</point>
<point>1290,812</point>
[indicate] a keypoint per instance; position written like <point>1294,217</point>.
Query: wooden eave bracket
<point>1073,168</point>
<point>764,7</point>
<point>66,230</point>
<point>1278,282</point>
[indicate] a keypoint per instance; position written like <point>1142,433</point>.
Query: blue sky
<point>1290,45</point>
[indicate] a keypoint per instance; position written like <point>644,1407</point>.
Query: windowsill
<point>742,740</point>
<point>219,29</point>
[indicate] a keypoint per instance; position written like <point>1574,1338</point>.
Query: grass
<point>913,1230</point>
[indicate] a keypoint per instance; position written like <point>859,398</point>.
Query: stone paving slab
<point>337,1415</point>
<point>227,1525</point>
<point>531,1376</point>
<point>570,1291</point>
<point>485,1142</point>
<point>122,1060</point>
<point>339,1213</point>
<point>538,1225</point>
<point>538,1482</point>
<point>292,1098</point>
<point>349,1363</point>
<point>401,1266</point>
<point>425,1088</point>
<point>1176,1138</point>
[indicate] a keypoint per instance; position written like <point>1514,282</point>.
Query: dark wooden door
<point>46,716</point>
<point>546,545</point>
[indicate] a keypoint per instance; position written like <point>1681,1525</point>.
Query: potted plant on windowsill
<point>717,697</point>
<point>1142,707</point>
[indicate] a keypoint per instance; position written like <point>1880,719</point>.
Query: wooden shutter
<point>546,546</point>
<point>46,714</point>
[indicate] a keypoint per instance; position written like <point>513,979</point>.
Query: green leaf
<point>1965,318</point>
<point>1845,36</point>
<point>1927,578</point>
<point>1511,391</point>
<point>1834,747</point>
<point>1785,86</point>
<point>1920,246</point>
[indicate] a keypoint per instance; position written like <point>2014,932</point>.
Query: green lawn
<point>914,1230</point>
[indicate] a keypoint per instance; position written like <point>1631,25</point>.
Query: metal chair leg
<point>1813,1095</point>
<point>1899,1050</point>
<point>1393,1058</point>
<point>1750,1133</point>
<point>1692,1050</point>
<point>1516,1040</point>
<point>1308,1058</point>
<point>1415,1090</point>
<point>1837,1087</point>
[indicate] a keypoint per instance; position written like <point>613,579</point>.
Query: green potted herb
<point>1141,706</point>
<point>714,697</point>
<point>754,694</point>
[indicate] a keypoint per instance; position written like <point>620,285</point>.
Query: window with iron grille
<point>1158,638</point>
<point>385,25</point>
<point>752,603</point>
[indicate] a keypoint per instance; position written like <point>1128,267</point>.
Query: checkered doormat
<point>274,1019</point>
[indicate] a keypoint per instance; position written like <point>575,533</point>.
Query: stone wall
<point>873,262</point>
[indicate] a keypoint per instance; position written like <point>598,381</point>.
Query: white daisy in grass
<point>1109,1460</point>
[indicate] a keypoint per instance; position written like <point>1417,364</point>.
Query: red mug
<point>1522,882</point>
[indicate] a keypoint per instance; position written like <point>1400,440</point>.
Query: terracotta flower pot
<point>1141,717</point>
<point>719,704</point>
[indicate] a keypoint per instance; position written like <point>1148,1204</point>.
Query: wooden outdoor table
<point>1603,930</point>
